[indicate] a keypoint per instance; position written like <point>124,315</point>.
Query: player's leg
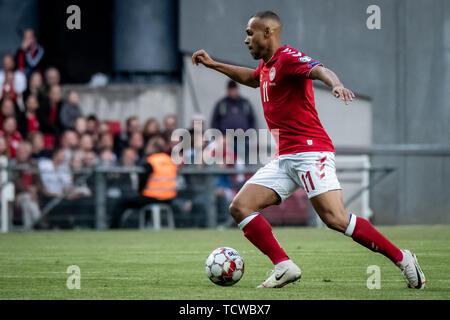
<point>270,185</point>
<point>329,206</point>
<point>245,208</point>
<point>323,189</point>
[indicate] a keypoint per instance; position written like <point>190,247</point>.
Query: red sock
<point>363,232</point>
<point>259,232</point>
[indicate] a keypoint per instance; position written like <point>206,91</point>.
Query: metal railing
<point>205,182</point>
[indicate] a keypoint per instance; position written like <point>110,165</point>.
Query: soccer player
<point>305,152</point>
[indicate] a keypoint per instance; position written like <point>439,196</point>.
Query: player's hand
<point>201,56</point>
<point>343,93</point>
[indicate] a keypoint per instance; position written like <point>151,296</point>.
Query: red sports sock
<point>259,232</point>
<point>363,232</point>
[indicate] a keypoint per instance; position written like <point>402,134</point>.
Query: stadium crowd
<point>44,130</point>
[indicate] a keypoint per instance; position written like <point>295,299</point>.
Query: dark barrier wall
<point>145,36</point>
<point>77,53</point>
<point>404,68</point>
<point>116,36</point>
<point>16,16</point>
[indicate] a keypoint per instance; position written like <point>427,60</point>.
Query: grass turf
<point>169,264</point>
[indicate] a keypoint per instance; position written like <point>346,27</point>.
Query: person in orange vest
<point>156,185</point>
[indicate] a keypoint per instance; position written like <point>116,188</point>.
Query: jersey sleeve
<point>299,65</point>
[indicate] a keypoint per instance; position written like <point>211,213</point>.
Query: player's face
<point>255,40</point>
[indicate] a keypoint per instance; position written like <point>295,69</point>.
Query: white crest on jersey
<point>272,74</point>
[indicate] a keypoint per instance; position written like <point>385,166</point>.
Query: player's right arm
<point>239,74</point>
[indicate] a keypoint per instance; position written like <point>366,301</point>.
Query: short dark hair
<point>158,143</point>
<point>267,15</point>
<point>92,117</point>
<point>231,84</point>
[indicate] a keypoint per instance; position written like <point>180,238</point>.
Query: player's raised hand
<point>201,56</point>
<point>343,93</point>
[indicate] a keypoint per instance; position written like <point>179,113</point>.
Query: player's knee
<point>238,210</point>
<point>335,221</point>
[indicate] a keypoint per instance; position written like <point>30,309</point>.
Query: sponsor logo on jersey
<point>304,59</point>
<point>312,64</point>
<point>272,74</point>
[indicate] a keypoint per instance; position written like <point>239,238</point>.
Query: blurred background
<point>83,109</point>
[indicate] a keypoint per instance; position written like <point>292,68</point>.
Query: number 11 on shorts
<point>308,176</point>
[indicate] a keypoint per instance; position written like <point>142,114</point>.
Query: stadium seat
<point>114,127</point>
<point>156,209</point>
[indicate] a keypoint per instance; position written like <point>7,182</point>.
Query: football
<point>224,266</point>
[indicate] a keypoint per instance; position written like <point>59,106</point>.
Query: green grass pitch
<point>169,264</point>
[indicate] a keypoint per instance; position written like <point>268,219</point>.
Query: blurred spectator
<point>69,144</point>
<point>226,185</point>
<point>136,142</point>
<point>55,176</point>
<point>38,149</point>
<point>80,188</point>
<point>151,129</point>
<point>26,187</point>
<point>70,110</point>
<point>52,77</point>
<point>103,128</point>
<point>233,111</point>
<point>131,180</point>
<point>170,124</point>
<point>121,140</point>
<point>4,149</point>
<point>108,158</point>
<point>30,54</point>
<point>156,185</point>
<point>92,127</point>
<point>196,138</point>
<point>92,124</point>
<point>70,187</point>
<point>36,87</point>
<point>90,159</point>
<point>80,125</point>
<point>105,142</point>
<point>28,121</point>
<point>50,112</point>
<point>12,82</point>
<point>86,142</point>
<point>7,89</point>
<point>7,109</point>
<point>124,185</point>
<point>12,135</point>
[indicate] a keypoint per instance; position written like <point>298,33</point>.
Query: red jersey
<point>33,124</point>
<point>13,142</point>
<point>288,101</point>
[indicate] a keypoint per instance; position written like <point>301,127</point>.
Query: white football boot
<point>285,272</point>
<point>411,270</point>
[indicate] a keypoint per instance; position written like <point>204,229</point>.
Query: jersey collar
<point>276,54</point>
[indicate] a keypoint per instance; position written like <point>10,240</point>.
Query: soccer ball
<point>224,266</point>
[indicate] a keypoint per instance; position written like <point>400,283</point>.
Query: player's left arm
<point>331,79</point>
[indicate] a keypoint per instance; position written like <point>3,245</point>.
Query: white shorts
<point>314,171</point>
